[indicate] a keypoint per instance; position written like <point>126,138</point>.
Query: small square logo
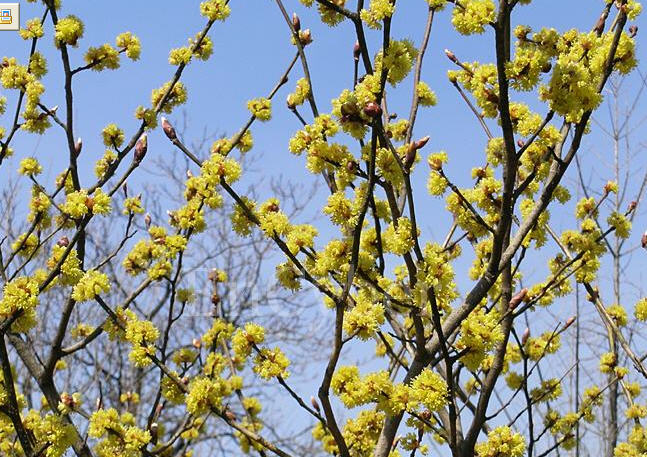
<point>9,16</point>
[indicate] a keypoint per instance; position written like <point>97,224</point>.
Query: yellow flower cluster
<point>71,272</point>
<point>91,284</point>
<point>155,254</point>
<point>502,442</point>
<point>102,57</point>
<point>425,95</point>
<point>480,333</point>
<point>50,432</point>
<point>130,43</point>
<point>33,29</point>
<point>398,60</point>
<point>68,31</point>
<point>20,296</point>
<point>177,96</point>
<point>270,363</point>
<point>215,10</point>
<point>120,437</point>
<point>261,108</point>
<point>377,11</point>
<point>365,318</point>
<point>142,335</point>
<point>300,94</point>
<point>471,16</point>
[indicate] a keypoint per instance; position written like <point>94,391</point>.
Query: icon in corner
<point>9,16</point>
<point>5,16</point>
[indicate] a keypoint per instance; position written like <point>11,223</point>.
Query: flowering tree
<point>96,291</point>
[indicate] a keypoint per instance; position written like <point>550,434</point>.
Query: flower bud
<point>518,298</point>
<point>296,22</point>
<point>643,240</point>
<point>124,188</point>
<point>356,51</point>
<point>215,298</point>
<point>53,110</point>
<point>63,242</point>
<point>372,109</point>
<point>315,404</point>
<point>525,336</point>
<point>197,343</point>
<point>98,404</point>
<point>168,129</point>
<point>451,56</point>
<point>230,415</point>
<point>305,37</point>
<point>351,166</point>
<point>140,148</point>
<point>421,142</point>
<point>78,146</point>
<point>147,220</point>
<point>633,31</point>
<point>569,322</point>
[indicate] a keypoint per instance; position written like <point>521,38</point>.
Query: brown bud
<point>78,146</point>
<point>632,206</point>
<point>410,156</point>
<point>518,298</point>
<point>53,110</point>
<point>230,414</point>
<point>63,242</point>
<point>520,143</point>
<point>426,414</point>
<point>315,404</point>
<point>154,429</point>
<point>273,207</point>
<point>351,166</point>
<point>569,322</point>
<point>451,56</point>
<point>168,129</point>
<point>185,380</point>
<point>421,142</point>
<point>305,37</point>
<point>197,343</point>
<point>356,51</point>
<point>296,22</point>
<point>633,30</point>
<point>643,240</point>
<point>215,298</point>
<point>124,188</point>
<point>98,404</point>
<point>525,336</point>
<point>372,109</point>
<point>546,67</point>
<point>140,148</point>
<point>147,220</point>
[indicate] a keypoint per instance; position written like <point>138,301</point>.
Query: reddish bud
<point>518,298</point>
<point>520,143</point>
<point>197,343</point>
<point>315,404</point>
<point>215,298</point>
<point>78,146</point>
<point>168,129</point>
<point>525,336</point>
<point>63,242</point>
<point>451,56</point>
<point>421,142</point>
<point>633,30</point>
<point>410,156</point>
<point>140,148</point>
<point>147,220</point>
<point>356,51</point>
<point>569,322</point>
<point>643,240</point>
<point>296,22</point>
<point>351,166</point>
<point>372,109</point>
<point>632,206</point>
